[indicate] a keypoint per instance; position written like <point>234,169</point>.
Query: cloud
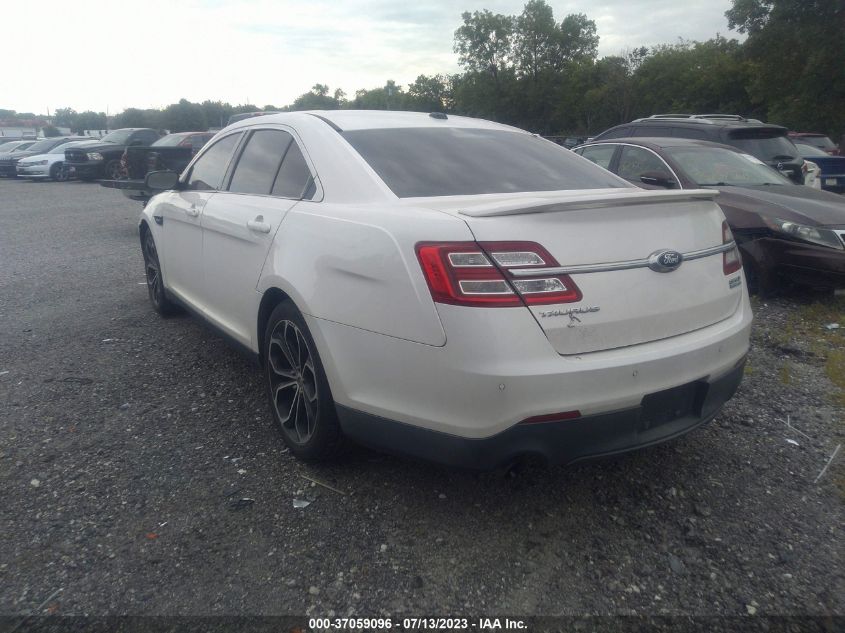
<point>105,55</point>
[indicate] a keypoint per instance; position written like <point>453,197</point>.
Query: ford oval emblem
<point>665,261</point>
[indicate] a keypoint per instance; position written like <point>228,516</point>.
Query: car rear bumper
<point>557,442</point>
<point>498,369</point>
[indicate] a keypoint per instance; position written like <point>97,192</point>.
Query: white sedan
<point>50,165</point>
<point>451,288</point>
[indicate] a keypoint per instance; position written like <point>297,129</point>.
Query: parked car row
<point>26,149</point>
<point>121,154</point>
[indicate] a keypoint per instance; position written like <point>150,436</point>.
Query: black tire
<point>297,389</point>
<point>111,170</point>
<point>58,172</point>
<point>155,280</point>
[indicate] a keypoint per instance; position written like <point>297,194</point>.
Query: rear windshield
<point>447,161</point>
<point>808,151</point>
<point>170,140</point>
<point>119,137</point>
<point>768,145</point>
<point>822,142</point>
<point>42,146</point>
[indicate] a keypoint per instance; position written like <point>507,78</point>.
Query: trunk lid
<point>623,302</point>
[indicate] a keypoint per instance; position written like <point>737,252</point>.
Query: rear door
<point>271,175</point>
<point>181,211</point>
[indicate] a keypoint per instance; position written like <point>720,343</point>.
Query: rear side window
<point>601,155</point>
<point>450,161</point>
<point>685,132</point>
<point>294,179</point>
<point>651,130</point>
<point>259,162</point>
<point>636,161</point>
<point>620,132</point>
<point>207,173</point>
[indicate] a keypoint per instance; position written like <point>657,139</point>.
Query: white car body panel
<point>347,260</point>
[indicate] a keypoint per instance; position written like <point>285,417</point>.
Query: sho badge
<point>734,282</point>
<point>665,261</point>
<point>570,312</point>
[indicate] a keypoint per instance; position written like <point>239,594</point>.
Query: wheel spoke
<point>286,399</point>
<point>303,420</point>
<point>293,382</point>
<point>280,360</point>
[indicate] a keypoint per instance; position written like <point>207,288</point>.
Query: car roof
<point>712,121</point>
<point>659,142</point>
<point>346,120</point>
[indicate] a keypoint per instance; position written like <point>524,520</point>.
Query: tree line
<point>534,72</point>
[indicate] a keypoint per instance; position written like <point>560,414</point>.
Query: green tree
<point>430,94</point>
<point>536,40</point>
<point>317,99</point>
<point>483,42</point>
<point>184,117</point>
<point>797,52</point>
<point>50,131</point>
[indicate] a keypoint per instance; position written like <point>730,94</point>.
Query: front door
<point>181,218</point>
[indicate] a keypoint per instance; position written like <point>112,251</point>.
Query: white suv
<point>451,288</point>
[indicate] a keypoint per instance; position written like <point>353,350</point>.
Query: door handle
<point>258,225</point>
<point>192,211</point>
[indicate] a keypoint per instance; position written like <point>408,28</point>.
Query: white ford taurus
<point>451,288</point>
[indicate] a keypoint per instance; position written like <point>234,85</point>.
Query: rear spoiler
<point>582,200</point>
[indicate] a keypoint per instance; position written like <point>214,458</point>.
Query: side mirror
<point>161,180</point>
<point>658,179</point>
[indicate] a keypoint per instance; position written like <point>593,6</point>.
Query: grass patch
<point>808,323</point>
<point>785,374</point>
<point>835,368</point>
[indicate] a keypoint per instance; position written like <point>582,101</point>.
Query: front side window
<point>601,155</point>
<point>259,162</point>
<point>452,161</point>
<point>636,161</point>
<point>207,173</point>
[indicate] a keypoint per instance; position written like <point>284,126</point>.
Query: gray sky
<point>90,54</point>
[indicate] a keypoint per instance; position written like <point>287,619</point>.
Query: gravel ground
<point>140,473</point>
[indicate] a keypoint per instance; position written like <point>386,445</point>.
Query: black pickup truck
<point>103,161</point>
<point>172,152</point>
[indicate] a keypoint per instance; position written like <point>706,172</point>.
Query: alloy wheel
<point>293,382</point>
<point>152,270</point>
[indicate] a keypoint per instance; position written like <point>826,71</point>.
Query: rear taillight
<point>731,261</point>
<point>479,274</point>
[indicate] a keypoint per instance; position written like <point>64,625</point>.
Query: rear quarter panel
<point>356,265</point>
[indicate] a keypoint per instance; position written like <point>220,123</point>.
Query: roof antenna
<point>438,115</point>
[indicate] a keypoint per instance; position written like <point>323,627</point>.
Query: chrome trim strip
<point>626,265</point>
